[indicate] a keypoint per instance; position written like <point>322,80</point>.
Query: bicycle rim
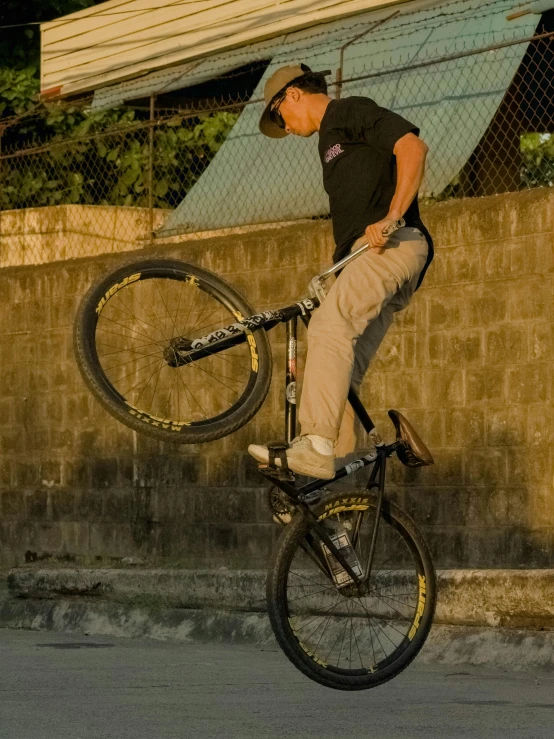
<point>129,324</point>
<point>332,633</point>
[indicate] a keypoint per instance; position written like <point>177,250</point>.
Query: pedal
<point>278,450</point>
<point>276,473</point>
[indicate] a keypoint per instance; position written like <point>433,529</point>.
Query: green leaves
<point>97,158</point>
<point>18,90</point>
<point>100,158</point>
<point>537,150</point>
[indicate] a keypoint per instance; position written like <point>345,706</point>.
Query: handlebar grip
<point>389,230</point>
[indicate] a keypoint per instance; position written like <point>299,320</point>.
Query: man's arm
<point>410,152</point>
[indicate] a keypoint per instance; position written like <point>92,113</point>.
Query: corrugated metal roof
<point>122,39</point>
<point>253,179</point>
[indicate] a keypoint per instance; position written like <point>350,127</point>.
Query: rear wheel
<point>332,633</point>
<point>125,324</point>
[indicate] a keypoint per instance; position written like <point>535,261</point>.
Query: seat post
<point>290,381</point>
<point>365,420</point>
<point>360,410</point>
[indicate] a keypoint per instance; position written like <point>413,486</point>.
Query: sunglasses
<point>274,114</point>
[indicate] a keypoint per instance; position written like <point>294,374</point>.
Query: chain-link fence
<point>517,150</point>
<point>76,182</point>
<point>107,185</point>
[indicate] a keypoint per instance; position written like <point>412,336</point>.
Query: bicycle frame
<point>183,351</point>
<point>301,496</point>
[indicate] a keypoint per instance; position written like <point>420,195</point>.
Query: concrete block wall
<point>44,235</point>
<point>469,362</point>
<point>54,233</point>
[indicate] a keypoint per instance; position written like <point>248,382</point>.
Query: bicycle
<point>351,587</point>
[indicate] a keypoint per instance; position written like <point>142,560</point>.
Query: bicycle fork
<point>303,496</point>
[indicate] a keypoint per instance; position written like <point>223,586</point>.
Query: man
<point>373,164</point>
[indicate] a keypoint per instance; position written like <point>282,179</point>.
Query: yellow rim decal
<point>355,503</point>
<point>192,280</point>
<point>251,343</point>
<point>420,607</point>
<point>114,288</point>
<point>164,423</point>
<point>312,655</point>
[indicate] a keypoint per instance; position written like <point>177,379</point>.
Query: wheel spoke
<point>142,356</point>
<point>127,312</point>
<point>131,335</point>
<point>341,628</point>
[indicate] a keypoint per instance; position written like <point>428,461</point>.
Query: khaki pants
<point>346,330</point>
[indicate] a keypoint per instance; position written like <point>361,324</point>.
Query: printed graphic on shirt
<point>333,152</point>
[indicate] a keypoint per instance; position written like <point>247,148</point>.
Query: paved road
<point>55,686</point>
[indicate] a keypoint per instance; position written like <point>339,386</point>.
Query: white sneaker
<point>302,458</point>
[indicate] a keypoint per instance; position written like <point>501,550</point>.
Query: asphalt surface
<point>56,686</point>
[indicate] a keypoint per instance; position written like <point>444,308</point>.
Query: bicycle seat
<point>412,451</point>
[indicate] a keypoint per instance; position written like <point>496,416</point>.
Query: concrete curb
<point>242,590</point>
<point>498,598</point>
<point>121,620</point>
<point>228,607</point>
<point>513,649</point>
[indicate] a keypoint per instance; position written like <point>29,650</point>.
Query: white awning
<point>124,39</point>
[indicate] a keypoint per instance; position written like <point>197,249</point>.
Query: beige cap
<point>279,79</point>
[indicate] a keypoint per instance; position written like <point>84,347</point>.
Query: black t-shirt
<point>356,142</point>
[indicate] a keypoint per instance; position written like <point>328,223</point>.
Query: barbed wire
<point>383,33</point>
<point>315,48</point>
<point>306,52</point>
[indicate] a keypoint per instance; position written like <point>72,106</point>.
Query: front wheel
<point>334,633</point>
<point>123,329</point>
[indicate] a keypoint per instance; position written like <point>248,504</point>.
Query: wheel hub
<point>173,352</point>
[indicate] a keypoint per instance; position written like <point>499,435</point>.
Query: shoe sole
<point>311,471</point>
<point>258,457</point>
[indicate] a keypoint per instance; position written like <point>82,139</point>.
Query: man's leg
<point>356,298</point>
<point>361,292</point>
<point>366,348</point>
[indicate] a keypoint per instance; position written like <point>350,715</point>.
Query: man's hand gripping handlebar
<point>317,287</point>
